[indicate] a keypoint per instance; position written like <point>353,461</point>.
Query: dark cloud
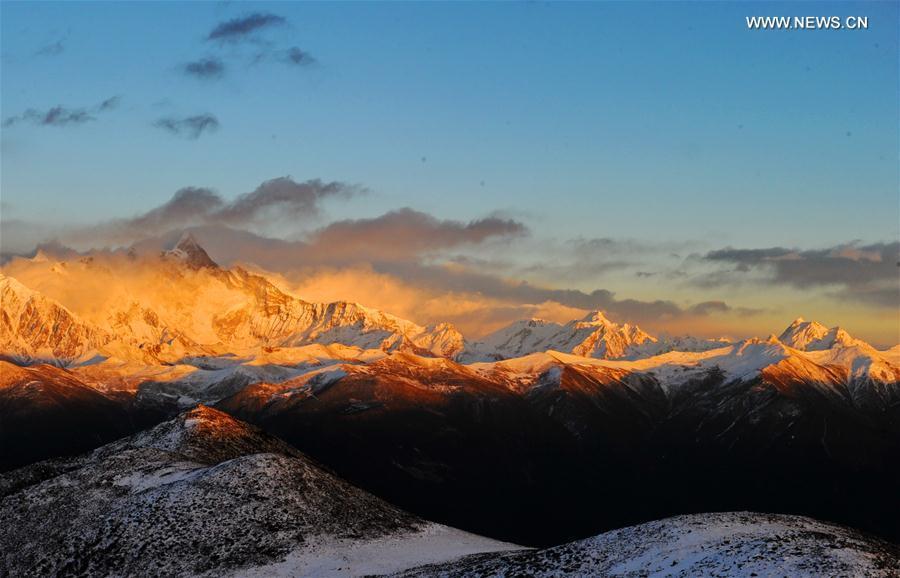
<point>276,199</point>
<point>190,205</point>
<point>289,198</point>
<point>109,104</point>
<point>297,57</point>
<point>710,307</point>
<point>60,115</point>
<point>53,49</point>
<point>190,126</point>
<point>237,29</point>
<point>205,68</point>
<point>402,234</point>
<point>293,56</point>
<point>867,273</point>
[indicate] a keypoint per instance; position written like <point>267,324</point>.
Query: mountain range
<point>593,424</point>
<point>180,304</point>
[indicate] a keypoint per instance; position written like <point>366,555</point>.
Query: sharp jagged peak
<point>189,251</point>
<point>596,318</point>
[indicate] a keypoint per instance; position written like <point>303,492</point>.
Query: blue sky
<point>663,122</point>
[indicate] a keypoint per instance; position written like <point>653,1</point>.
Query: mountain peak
<point>204,413</point>
<point>596,318</point>
<point>813,336</point>
<point>206,435</point>
<point>191,253</point>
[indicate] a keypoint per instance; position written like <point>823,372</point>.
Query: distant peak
<point>187,238</point>
<point>189,251</point>
<point>596,317</point>
<point>187,242</point>
<point>813,336</point>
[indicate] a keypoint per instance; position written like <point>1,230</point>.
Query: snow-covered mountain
<point>180,304</point>
<point>737,544</point>
<point>35,327</point>
<point>813,336</point>
<point>592,336</point>
<point>204,494</point>
<point>576,410</point>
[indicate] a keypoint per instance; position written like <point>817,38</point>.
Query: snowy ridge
<point>592,336</point>
<point>857,366</point>
<point>870,376</point>
<point>737,544</point>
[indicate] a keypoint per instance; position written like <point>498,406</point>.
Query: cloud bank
<point>280,198</point>
<point>867,273</point>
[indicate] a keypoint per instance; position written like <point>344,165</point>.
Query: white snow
<point>141,480</point>
<point>434,543</point>
<point>737,544</point>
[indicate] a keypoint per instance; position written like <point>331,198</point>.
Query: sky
<point>490,160</point>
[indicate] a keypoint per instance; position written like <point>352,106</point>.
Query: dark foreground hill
<point>205,494</point>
